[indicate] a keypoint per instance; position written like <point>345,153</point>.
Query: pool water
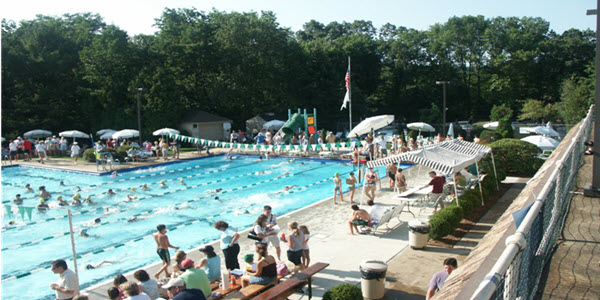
<point>188,209</point>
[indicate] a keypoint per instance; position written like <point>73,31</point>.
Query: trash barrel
<point>418,234</point>
<point>373,279</point>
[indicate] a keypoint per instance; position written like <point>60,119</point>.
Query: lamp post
<point>138,91</point>
<point>444,83</point>
<point>594,189</point>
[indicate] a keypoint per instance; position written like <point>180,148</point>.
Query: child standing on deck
<point>305,249</point>
<point>162,249</point>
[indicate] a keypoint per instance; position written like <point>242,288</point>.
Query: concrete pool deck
<point>409,270</point>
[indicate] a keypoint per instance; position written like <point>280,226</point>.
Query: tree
<point>577,95</point>
<point>537,111</point>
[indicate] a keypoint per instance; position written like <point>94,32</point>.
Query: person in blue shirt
<point>211,264</point>
<point>229,245</point>
<point>177,291</point>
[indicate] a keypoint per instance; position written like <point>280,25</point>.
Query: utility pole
<point>594,189</point>
<point>139,118</point>
<point>444,83</point>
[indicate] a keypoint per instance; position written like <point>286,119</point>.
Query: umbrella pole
<point>479,182</point>
<point>456,192</point>
<point>495,174</point>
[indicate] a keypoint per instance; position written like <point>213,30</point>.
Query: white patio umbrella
<point>125,134</point>
<point>420,126</point>
<point>74,134</point>
<point>491,125</point>
<point>107,135</point>
<point>165,131</point>
<point>103,131</point>
<point>451,130</point>
<point>542,142</point>
<point>273,125</point>
<point>372,123</point>
<point>543,130</point>
<point>37,133</point>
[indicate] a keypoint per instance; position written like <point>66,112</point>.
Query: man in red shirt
<point>27,149</point>
<point>437,192</point>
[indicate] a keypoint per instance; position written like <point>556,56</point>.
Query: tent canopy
<point>446,157</point>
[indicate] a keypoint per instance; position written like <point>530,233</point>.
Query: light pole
<point>444,105</point>
<point>138,91</point>
<point>594,189</point>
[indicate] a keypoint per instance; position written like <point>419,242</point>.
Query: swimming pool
<point>188,209</point>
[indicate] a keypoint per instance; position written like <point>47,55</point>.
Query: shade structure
<point>74,134</point>
<point>420,126</point>
<point>543,130</point>
<point>273,125</point>
<point>165,131</point>
<point>372,123</point>
<point>491,125</point>
<point>103,131</point>
<point>37,133</point>
<point>125,134</point>
<point>542,142</point>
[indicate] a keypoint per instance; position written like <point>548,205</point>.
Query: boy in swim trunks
<point>162,249</point>
<point>337,188</point>
<point>360,217</point>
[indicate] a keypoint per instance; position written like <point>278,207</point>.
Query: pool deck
<point>409,270</point>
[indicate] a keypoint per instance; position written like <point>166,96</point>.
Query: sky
<point>138,17</point>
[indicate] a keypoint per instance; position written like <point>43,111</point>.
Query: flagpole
<point>350,99</point>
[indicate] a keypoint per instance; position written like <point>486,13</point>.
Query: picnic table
<point>416,194</point>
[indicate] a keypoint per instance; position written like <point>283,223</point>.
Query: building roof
<point>201,116</point>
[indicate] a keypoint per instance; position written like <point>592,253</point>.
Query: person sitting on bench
<point>266,269</point>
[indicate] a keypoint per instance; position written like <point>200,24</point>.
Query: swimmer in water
<point>163,184</point>
<point>115,174</point>
<point>96,266</point>
<point>130,198</point>
<point>181,181</point>
<point>216,191</point>
<point>217,198</point>
<point>43,193</point>
<point>110,192</point>
<point>18,199</point>
<point>75,201</point>
<point>144,187</point>
<point>61,202</point>
<point>88,199</point>
<point>293,160</point>
<point>132,189</point>
<point>77,188</point>
<point>42,205</point>
<point>61,183</point>
<point>28,188</point>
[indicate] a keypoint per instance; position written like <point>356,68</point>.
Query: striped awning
<point>446,157</point>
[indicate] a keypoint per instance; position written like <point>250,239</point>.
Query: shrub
<point>344,291</point>
<point>89,155</point>
<point>515,157</point>
<point>412,134</point>
<point>468,203</point>
<point>445,221</point>
<point>490,136</point>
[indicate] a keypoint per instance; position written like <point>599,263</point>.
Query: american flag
<point>348,79</point>
<point>347,96</point>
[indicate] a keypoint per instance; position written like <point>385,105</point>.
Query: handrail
<point>517,241</point>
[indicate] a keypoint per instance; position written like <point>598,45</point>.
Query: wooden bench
<point>283,290</point>
<point>251,290</point>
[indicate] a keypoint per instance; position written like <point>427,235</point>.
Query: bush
<point>514,157</point>
<point>344,291</point>
<point>411,134</point>
<point>445,221</point>
<point>89,155</point>
<point>468,202</point>
<point>490,136</point>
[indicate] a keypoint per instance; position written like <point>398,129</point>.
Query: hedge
<point>344,291</point>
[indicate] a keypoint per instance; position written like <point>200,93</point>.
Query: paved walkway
<point>574,271</point>
<point>410,270</point>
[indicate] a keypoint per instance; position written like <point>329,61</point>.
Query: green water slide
<point>291,126</point>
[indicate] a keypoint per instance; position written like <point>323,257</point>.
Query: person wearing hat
<point>42,205</point>
<point>337,187</point>
<point>249,259</point>
<point>75,151</point>
<point>195,278</point>
<point>61,202</point>
<point>211,264</point>
<point>177,290</point>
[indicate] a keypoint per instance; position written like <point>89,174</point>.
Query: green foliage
<point>515,157</point>
<point>89,155</point>
<point>537,111</point>
<point>75,71</point>
<point>445,221</point>
<point>412,134</point>
<point>469,201</point>
<point>490,136</point>
<point>577,94</point>
<point>344,291</point>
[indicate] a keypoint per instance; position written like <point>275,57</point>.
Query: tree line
<point>75,71</point>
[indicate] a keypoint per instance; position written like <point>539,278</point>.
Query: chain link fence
<point>517,273</point>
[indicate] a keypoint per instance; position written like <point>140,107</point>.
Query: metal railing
<point>518,270</point>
